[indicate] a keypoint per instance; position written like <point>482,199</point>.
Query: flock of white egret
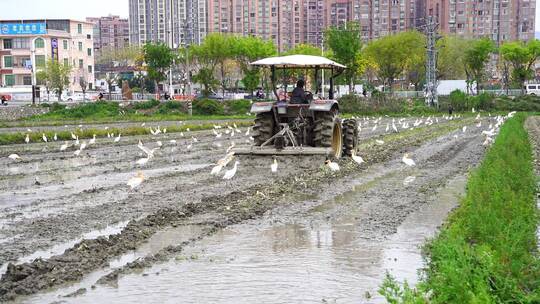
<point>369,123</point>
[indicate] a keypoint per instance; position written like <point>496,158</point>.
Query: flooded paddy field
<point>72,230</point>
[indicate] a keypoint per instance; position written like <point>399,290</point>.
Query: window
<point>27,80</point>
<point>89,51</point>
<point>80,46</point>
<point>65,44</point>
<point>39,43</point>
<point>90,69</point>
<point>79,28</point>
<point>88,36</point>
<point>81,63</point>
<point>40,61</point>
<point>8,61</point>
<point>66,62</point>
<point>21,43</point>
<point>532,87</point>
<point>8,44</point>
<point>9,80</point>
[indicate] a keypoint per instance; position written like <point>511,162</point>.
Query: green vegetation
<point>521,57</point>
<point>55,76</point>
<point>484,101</point>
<point>488,251</point>
<point>18,138</point>
<point>158,59</point>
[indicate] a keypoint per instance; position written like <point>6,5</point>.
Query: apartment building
<point>174,22</point>
<point>499,20</point>
<point>110,32</point>
<point>26,46</point>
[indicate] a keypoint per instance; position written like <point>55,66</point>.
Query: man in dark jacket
<point>298,94</point>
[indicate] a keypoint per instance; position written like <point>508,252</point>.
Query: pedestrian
<point>4,100</point>
<point>450,110</point>
<point>100,96</point>
<point>364,92</point>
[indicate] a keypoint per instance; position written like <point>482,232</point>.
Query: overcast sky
<point>80,9</point>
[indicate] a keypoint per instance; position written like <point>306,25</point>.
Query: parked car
<point>532,89</point>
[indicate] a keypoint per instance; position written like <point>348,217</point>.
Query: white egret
<point>55,137</point>
<point>14,157</point>
<point>274,166</point>
<point>44,137</point>
<point>117,139</point>
<point>230,173</point>
<point>407,160</point>
<point>134,182</point>
<point>332,165</point>
<point>27,139</point>
<point>358,159</point>
<point>64,146</point>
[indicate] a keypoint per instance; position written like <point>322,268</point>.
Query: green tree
<point>451,57</point>
<point>345,44</point>
<point>304,49</point>
<point>521,58</point>
<point>158,58</point>
<point>249,49</point>
<point>56,75</point>
<point>476,58</point>
<point>394,54</point>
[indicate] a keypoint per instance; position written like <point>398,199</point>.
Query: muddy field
<point>73,231</point>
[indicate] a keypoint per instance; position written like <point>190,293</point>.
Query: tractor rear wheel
<point>263,129</point>
<point>328,133</point>
<point>350,136</point>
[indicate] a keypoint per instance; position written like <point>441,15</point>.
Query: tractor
<point>288,126</point>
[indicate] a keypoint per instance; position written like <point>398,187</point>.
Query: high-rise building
<point>26,46</point>
<point>174,22</point>
<point>499,20</point>
<point>111,32</point>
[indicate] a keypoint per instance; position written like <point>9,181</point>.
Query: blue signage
<point>23,28</point>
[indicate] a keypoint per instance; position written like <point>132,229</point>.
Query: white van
<point>532,89</point>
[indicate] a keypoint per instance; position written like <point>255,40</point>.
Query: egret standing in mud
<point>93,140</point>
<point>134,182</point>
<point>44,137</point>
<point>358,159</point>
<point>407,160</point>
<point>230,173</point>
<point>27,139</point>
<point>14,157</point>
<point>274,165</point>
<point>332,165</point>
<point>64,146</point>
<point>117,139</point>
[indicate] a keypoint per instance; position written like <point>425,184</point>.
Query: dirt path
<point>84,194</point>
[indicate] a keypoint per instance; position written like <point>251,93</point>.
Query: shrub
<point>55,106</point>
<point>171,107</point>
<point>207,107</point>
<point>237,107</point>
<point>458,100</point>
<point>145,105</point>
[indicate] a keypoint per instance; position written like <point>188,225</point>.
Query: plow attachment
<point>285,151</point>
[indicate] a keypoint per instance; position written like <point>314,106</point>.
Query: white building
<point>26,46</point>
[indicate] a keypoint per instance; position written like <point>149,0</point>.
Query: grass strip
<point>19,137</point>
<point>487,251</point>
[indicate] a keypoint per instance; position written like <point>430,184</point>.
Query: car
<point>532,89</point>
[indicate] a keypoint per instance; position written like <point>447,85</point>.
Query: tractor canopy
<point>298,61</point>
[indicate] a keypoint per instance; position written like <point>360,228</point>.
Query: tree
<point>451,57</point>
<point>43,79</point>
<point>83,83</point>
<point>395,54</point>
<point>476,57</point>
<point>521,58</point>
<point>127,56</point>
<point>111,80</point>
<point>158,58</point>
<point>304,49</point>
<point>345,44</point>
<point>56,75</point>
<point>249,49</point>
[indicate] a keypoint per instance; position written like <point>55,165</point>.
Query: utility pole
<point>431,64</point>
